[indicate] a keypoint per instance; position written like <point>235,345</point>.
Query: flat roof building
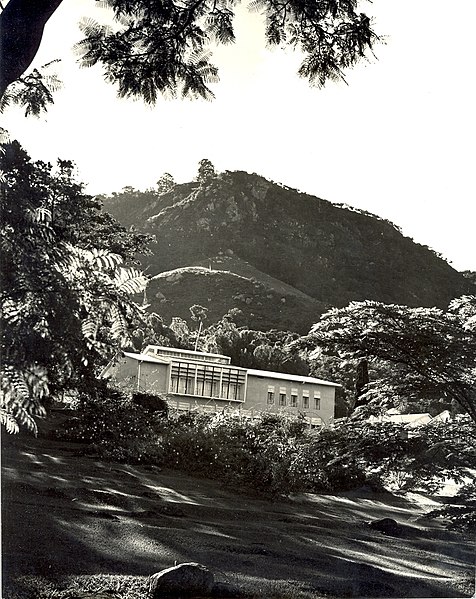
<point>209,382</point>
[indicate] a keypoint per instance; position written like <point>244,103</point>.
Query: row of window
<point>293,401</point>
<point>170,352</point>
<point>219,382</point>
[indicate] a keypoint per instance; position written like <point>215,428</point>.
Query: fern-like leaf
<point>130,280</point>
<point>8,421</point>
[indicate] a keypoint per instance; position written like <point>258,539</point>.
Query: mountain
<point>283,257</point>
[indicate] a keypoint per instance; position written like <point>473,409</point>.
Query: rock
<point>387,526</point>
<point>184,580</point>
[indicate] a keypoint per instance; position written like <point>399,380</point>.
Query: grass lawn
<point>73,524</point>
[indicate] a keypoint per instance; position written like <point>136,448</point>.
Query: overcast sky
<point>398,140</point>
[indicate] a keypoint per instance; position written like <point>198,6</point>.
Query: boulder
<point>185,580</point>
<point>387,526</point>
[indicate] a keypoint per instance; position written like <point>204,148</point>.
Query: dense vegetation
<point>279,454</point>
<point>67,275</point>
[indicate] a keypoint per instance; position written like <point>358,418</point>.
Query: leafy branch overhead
<point>34,91</point>
<point>153,48</point>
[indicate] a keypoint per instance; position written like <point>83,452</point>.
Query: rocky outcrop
<point>185,580</point>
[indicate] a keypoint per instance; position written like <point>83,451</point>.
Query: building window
<point>317,400</point>
<point>293,401</point>
<point>305,400</point>
<point>270,395</point>
<point>205,380</point>
<point>282,399</point>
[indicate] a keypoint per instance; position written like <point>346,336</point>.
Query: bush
<point>257,454</point>
<point>115,426</point>
<point>150,402</point>
<point>276,454</point>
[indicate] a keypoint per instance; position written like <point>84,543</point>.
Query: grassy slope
<point>263,306</point>
<point>73,522</point>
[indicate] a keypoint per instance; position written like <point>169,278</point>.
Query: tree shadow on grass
<point>68,515</point>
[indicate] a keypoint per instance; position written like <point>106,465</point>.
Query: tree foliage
<point>206,171</point>
<point>66,283</point>
<point>422,353</point>
<point>254,349</point>
<point>34,91</point>
<point>165,184</point>
<point>164,47</point>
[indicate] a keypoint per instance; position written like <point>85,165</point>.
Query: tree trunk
<point>361,381</point>
<point>21,28</point>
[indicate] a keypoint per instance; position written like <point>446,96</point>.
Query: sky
<point>396,140</point>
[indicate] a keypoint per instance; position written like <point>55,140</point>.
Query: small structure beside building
<point>411,421</point>
<point>209,382</point>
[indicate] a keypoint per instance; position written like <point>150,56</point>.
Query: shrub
<point>257,454</point>
<point>150,402</point>
<point>276,454</point>
<point>115,426</point>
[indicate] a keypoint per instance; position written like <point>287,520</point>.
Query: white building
<point>194,380</point>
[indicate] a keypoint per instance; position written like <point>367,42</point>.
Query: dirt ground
<point>65,514</point>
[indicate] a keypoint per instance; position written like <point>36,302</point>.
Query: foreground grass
<point>103,586</point>
<point>76,527</point>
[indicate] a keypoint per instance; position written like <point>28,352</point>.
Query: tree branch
<point>21,29</point>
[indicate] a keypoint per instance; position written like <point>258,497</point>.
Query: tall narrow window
<point>270,396</point>
<point>317,400</point>
<point>294,398</point>
<point>282,399</point>
<point>305,400</point>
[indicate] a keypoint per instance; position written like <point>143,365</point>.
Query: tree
<point>253,349</point>
<point>179,328</point>
<point>423,354</point>
<point>206,171</point>
<point>65,296</point>
<point>157,47</point>
<point>198,314</point>
<point>33,91</point>
<point>165,183</point>
<point>361,381</point>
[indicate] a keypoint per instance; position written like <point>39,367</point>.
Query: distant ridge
<point>295,254</point>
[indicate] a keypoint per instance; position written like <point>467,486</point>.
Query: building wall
<point>134,375</point>
<point>155,378</point>
<point>259,387</point>
<point>123,373</point>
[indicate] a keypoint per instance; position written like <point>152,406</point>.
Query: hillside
<point>289,242</point>
<point>173,292</point>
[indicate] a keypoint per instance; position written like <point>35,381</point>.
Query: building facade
<point>209,382</point>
